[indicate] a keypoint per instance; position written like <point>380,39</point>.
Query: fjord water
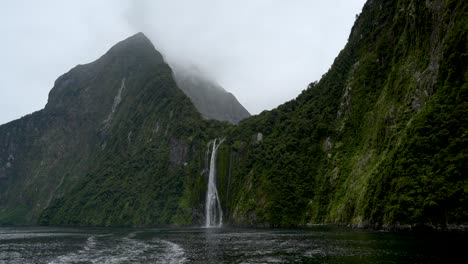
<point>226,245</point>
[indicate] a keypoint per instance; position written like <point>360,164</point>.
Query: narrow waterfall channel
<point>213,211</point>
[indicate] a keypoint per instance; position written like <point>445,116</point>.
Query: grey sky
<point>263,51</point>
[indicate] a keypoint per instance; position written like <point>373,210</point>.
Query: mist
<point>264,51</point>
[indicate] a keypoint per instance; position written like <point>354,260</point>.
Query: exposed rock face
<point>209,98</point>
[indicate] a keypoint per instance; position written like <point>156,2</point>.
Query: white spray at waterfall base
<point>213,211</point>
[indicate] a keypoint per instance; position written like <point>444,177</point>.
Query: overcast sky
<point>265,52</point>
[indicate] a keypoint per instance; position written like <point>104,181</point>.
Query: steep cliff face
<point>381,139</point>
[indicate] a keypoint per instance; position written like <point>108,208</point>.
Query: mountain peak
<point>137,45</point>
<point>134,54</point>
<point>138,38</point>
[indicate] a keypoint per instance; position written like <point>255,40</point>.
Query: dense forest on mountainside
<point>380,140</point>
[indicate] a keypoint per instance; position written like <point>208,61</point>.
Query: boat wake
<point>128,249</point>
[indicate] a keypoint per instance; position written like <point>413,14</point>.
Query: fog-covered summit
<point>210,98</point>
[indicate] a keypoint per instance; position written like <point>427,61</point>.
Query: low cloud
<point>263,51</point>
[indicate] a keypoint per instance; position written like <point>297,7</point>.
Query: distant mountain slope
<point>210,99</point>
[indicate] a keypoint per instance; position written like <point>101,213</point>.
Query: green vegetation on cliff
<point>148,149</point>
<point>381,139</point>
<point>114,146</point>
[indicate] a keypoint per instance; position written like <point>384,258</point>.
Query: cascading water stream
<point>213,211</point>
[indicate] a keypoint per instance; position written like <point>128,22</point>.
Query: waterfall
<point>213,211</point>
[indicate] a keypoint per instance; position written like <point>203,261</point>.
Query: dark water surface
<point>226,245</point>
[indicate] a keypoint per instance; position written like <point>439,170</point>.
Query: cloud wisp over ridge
<point>264,51</point>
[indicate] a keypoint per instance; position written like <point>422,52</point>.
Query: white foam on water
<point>124,250</point>
<point>173,253</point>
<point>315,252</point>
<point>127,250</point>
<point>90,243</point>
